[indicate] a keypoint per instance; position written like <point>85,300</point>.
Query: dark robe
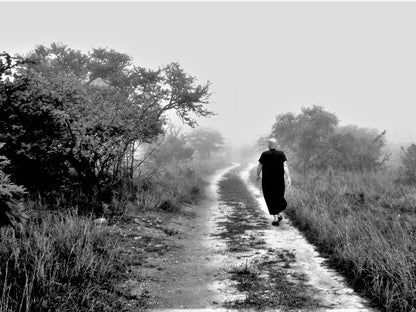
<point>273,181</point>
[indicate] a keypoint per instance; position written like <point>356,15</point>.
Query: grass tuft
<point>61,262</point>
<point>365,223</point>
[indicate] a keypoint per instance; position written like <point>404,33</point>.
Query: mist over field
<point>262,59</point>
<point>127,128</point>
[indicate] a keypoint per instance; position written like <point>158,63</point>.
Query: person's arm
<point>286,168</point>
<point>259,168</point>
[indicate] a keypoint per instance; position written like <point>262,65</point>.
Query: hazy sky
<point>356,59</point>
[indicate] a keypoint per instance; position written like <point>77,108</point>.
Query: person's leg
<point>275,220</point>
<point>282,204</point>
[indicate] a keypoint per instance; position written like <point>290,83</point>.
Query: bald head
<point>272,143</point>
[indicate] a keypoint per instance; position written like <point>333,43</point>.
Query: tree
<point>409,164</point>
<point>206,141</point>
<point>355,148</point>
<point>314,140</point>
<point>306,136</point>
<point>286,131</point>
<point>29,127</point>
<point>174,147</point>
<point>80,117</point>
<point>11,209</point>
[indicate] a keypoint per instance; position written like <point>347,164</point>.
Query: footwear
<point>275,222</point>
<point>280,218</point>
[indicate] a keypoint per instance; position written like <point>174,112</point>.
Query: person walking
<point>273,167</point>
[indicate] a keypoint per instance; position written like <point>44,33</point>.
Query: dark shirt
<point>272,161</point>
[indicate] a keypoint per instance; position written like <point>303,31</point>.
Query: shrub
<point>11,209</point>
<point>72,121</point>
<point>409,164</point>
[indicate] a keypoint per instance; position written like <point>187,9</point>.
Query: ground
<point>168,265</point>
<point>224,253</point>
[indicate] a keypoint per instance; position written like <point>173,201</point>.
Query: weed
<point>264,282</point>
<point>369,237</point>
<point>266,285</point>
<point>61,263</point>
<point>244,215</point>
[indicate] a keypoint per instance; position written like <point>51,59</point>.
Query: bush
<point>11,209</point>
<point>409,164</point>
<point>171,184</point>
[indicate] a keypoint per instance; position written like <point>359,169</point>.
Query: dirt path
<point>233,259</point>
<point>186,277</point>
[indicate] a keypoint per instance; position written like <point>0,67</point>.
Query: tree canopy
<point>314,140</point>
<point>409,164</point>
<point>206,141</point>
<point>71,118</point>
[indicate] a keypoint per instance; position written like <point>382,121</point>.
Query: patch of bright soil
<point>267,286</point>
<point>242,216</point>
<point>262,279</point>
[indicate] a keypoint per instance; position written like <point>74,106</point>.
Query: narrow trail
<point>240,262</point>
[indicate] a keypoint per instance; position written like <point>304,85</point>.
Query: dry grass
<point>174,183</point>
<point>266,286</point>
<point>366,223</point>
<point>61,263</point>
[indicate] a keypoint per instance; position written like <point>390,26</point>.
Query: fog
<point>262,59</point>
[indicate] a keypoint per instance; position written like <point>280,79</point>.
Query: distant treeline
<point>314,140</point>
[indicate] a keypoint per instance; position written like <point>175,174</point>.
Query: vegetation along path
<point>236,260</point>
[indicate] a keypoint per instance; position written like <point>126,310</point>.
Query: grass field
<point>62,262</point>
<point>365,223</point>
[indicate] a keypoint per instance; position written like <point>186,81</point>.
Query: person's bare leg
<point>275,220</point>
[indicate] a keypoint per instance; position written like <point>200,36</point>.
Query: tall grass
<point>61,262</point>
<point>366,223</point>
<point>174,183</point>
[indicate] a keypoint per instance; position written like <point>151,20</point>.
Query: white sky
<point>356,59</point>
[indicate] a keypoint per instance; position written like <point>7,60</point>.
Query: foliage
<point>72,121</point>
<point>355,148</point>
<point>306,135</point>
<point>314,141</point>
<point>11,209</point>
<point>174,147</point>
<point>172,173</point>
<point>30,127</point>
<point>206,141</point>
<point>409,164</point>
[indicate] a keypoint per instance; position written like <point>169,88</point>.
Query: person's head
<point>272,143</point>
